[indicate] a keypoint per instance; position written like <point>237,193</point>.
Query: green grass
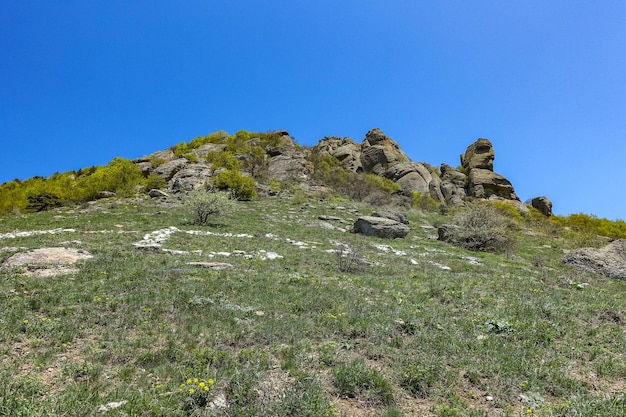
<point>295,336</point>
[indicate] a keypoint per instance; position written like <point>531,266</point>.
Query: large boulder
<point>387,213</point>
<point>380,227</point>
<point>283,145</point>
<point>484,184</point>
<point>379,151</point>
<point>289,167</point>
<point>609,261</point>
<point>168,169</point>
<point>192,177</point>
<point>204,150</point>
<point>46,262</point>
<point>411,176</point>
<point>479,154</point>
<point>543,204</point>
<point>347,151</point>
<point>453,185</point>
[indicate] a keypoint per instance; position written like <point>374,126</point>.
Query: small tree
<point>204,206</point>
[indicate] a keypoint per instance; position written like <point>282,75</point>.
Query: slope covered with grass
<point>416,327</point>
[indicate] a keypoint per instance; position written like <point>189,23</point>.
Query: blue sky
<point>82,82</point>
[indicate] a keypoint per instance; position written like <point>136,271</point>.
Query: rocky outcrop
<point>379,151</point>
<point>411,176</point>
<point>609,261</point>
<point>168,169</point>
<point>377,154</point>
<point>395,215</point>
<point>452,186</point>
<point>46,262</point>
<point>204,150</point>
<point>380,227</point>
<point>289,167</point>
<point>347,151</point>
<point>284,146</point>
<point>485,184</point>
<point>191,177</point>
<point>479,154</point>
<point>543,204</point>
<point>482,181</point>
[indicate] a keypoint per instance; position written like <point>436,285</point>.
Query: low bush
<point>369,188</point>
<point>43,202</point>
<point>425,202</point>
<point>592,225</point>
<point>224,159</point>
<point>240,186</point>
<point>153,181</point>
<point>482,227</point>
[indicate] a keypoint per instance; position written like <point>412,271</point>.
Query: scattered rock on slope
<point>609,260</point>
<point>543,204</point>
<point>380,227</point>
<point>46,262</point>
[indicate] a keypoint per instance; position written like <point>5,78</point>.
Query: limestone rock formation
<point>191,177</point>
<point>377,154</point>
<point>204,150</point>
<point>479,154</point>
<point>379,151</point>
<point>46,262</point>
<point>288,167</point>
<point>168,169</point>
<point>386,213</point>
<point>347,151</point>
<point>609,261</point>
<point>483,182</point>
<point>543,204</point>
<point>453,185</point>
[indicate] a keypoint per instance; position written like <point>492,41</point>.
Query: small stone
<point>211,265</point>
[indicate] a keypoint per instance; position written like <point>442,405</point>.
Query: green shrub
<point>43,201</point>
<point>216,137</point>
<point>424,201</point>
<point>369,188</point>
<point>508,210</point>
<point>153,181</point>
<point>240,186</point>
<point>592,225</point>
<point>120,176</point>
<point>224,159</point>
<point>256,163</point>
<point>180,149</point>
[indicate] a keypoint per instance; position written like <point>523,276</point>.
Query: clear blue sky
<point>84,81</point>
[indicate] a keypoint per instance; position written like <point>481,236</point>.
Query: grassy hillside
<point>423,328</point>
